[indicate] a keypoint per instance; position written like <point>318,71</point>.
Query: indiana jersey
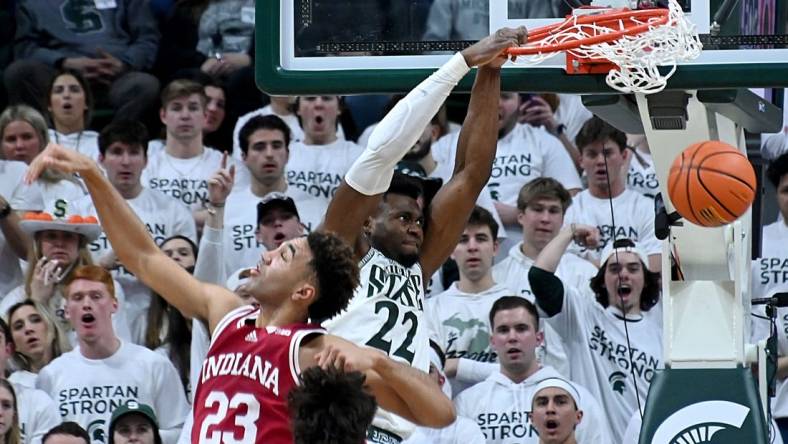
<point>386,312</point>
<point>242,390</point>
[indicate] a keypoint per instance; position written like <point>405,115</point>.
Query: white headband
<point>555,382</point>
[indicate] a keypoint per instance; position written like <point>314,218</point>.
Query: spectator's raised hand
<point>58,158</point>
<point>537,112</point>
<point>490,51</point>
<point>221,183</point>
<point>46,275</point>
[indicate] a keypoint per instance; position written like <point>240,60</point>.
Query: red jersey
<point>241,396</point>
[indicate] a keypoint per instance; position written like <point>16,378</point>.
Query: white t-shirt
<point>164,217</point>
<point>769,276</point>
<point>572,113</point>
<point>85,142</point>
<point>641,176</point>
<point>316,171</point>
<point>21,197</point>
<point>634,216</point>
<point>88,390</point>
<point>37,413</point>
<point>524,154</point>
<point>183,179</point>
<point>23,378</point>
<point>57,304</point>
<point>596,339</point>
<point>387,313</point>
<point>461,431</point>
<point>501,408</point>
<point>459,323</point>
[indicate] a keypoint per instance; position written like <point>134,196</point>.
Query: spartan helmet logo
<point>697,423</point>
<point>96,431</point>
<point>617,382</point>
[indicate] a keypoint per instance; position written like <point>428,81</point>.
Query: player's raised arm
<point>370,176</point>
<point>133,244</point>
<point>398,387</point>
<point>451,207</point>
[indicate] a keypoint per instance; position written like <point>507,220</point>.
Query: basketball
<point>711,183</point>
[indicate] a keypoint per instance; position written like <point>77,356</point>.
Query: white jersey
<point>23,378</point>
<point>596,340</point>
<point>634,216</point>
<point>56,306</point>
<point>164,217</point>
<point>459,323</point>
<point>88,390</point>
<point>769,276</point>
<point>387,313</point>
<point>21,197</point>
<point>501,408</point>
<point>641,176</point>
<point>37,413</point>
<point>317,171</point>
<point>85,142</point>
<point>461,431</point>
<point>183,179</point>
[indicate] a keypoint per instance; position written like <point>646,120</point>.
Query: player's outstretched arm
<point>397,387</point>
<point>133,244</point>
<point>478,139</point>
<point>359,194</point>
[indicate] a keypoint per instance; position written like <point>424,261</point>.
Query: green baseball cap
<point>133,406</point>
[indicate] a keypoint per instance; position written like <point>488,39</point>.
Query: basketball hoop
<point>629,45</point>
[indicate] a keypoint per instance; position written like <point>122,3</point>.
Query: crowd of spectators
<point>161,95</point>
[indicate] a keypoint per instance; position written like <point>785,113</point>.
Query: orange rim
<point>606,20</point>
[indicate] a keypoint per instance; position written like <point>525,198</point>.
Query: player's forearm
<point>399,130</point>
<point>479,135</point>
<point>551,254</point>
<point>130,240</point>
<point>426,403</point>
<point>14,236</point>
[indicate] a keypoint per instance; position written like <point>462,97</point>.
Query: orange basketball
<point>711,183</point>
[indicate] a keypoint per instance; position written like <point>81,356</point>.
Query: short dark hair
<point>405,185</point>
<point>777,169</point>
<point>481,217</point>
<point>597,130</point>
<point>510,303</point>
<point>336,271</point>
<point>68,428</point>
<point>330,407</point>
<point>130,132</point>
<point>269,122</point>
<point>543,188</point>
<point>651,282</point>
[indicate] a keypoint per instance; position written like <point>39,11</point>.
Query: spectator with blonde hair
<point>37,340</point>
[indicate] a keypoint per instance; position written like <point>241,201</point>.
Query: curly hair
<point>336,274</point>
<point>648,297</point>
<point>330,407</point>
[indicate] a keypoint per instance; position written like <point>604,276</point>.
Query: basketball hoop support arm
<point>706,321</point>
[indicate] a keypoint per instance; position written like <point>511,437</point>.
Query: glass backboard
<point>387,46</point>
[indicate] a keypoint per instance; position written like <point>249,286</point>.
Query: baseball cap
<point>623,246</point>
<point>238,278</point>
<point>275,199</point>
<point>130,407</point>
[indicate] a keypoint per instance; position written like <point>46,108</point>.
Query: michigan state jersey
<point>386,313</point>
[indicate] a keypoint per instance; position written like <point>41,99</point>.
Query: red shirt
<point>241,396</point>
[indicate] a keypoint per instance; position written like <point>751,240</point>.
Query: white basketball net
<point>637,56</point>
